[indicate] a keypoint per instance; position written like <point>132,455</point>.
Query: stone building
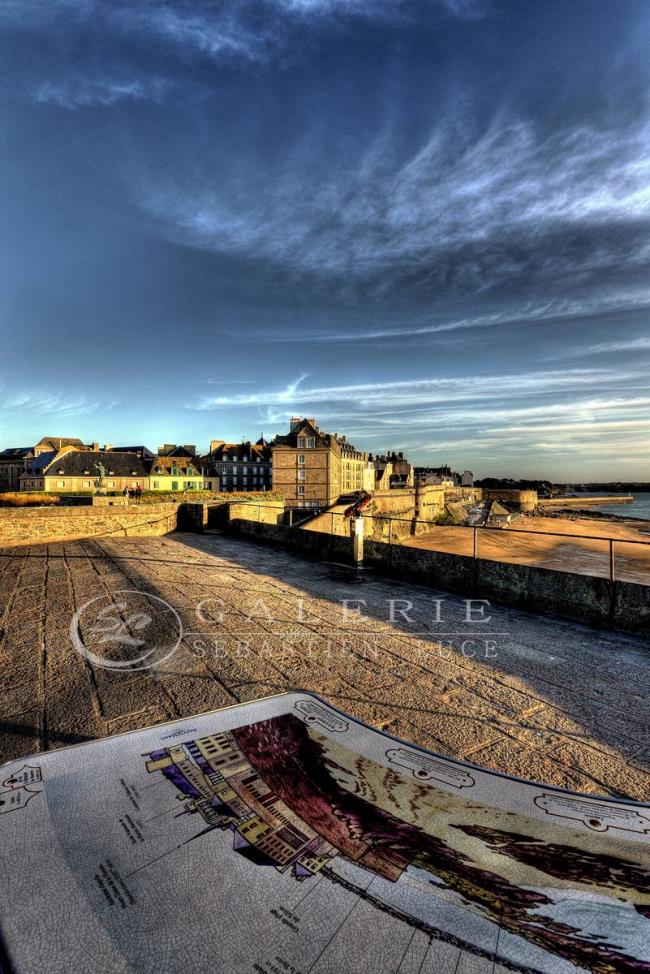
<point>239,466</point>
<point>392,470</point>
<point>172,473</point>
<point>75,471</point>
<point>14,461</point>
<point>312,468</point>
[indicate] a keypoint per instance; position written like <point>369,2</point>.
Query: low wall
<point>38,525</point>
<point>623,606</point>
<point>585,501</point>
<point>525,500</point>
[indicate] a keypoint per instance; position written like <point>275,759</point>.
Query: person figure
<point>138,492</point>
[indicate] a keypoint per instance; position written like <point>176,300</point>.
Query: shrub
<point>28,499</point>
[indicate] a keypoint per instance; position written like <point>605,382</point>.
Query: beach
<point>551,546</point>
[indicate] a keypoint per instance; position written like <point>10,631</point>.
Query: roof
<point>306,427</point>
<point>85,464</point>
<point>37,465</point>
<point>15,451</point>
<point>142,451</point>
<point>226,451</point>
<point>169,450</point>
<point>56,442</point>
<point>164,464</point>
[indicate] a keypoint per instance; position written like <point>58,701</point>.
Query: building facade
<point>235,467</point>
<point>174,473</point>
<point>14,461</point>
<point>76,471</point>
<point>313,469</point>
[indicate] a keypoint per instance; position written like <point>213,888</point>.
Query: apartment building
<point>239,466</point>
<point>312,468</point>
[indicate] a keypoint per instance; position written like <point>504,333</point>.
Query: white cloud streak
<point>86,93</point>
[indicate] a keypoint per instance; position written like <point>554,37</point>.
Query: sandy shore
<point>552,547</point>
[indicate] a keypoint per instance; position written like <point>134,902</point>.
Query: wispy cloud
<point>43,404</point>
<point>466,212</point>
<point>624,345</point>
<point>84,92</point>
<point>413,392</point>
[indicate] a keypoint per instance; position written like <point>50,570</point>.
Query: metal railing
<point>473,536</point>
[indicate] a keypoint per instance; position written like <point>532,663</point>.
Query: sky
<point>425,223</point>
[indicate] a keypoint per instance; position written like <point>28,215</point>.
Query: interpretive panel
<point>285,837</point>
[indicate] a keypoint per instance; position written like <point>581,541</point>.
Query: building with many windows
<point>239,466</point>
<point>312,468</point>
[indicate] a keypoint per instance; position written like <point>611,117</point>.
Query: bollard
<point>356,533</point>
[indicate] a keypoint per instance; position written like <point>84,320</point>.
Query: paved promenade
<point>519,693</point>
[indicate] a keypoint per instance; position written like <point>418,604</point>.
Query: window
<point>156,484</point>
<point>111,483</point>
<point>87,483</point>
<point>208,485</point>
<point>301,490</point>
<point>301,475</point>
<point>174,485</point>
<point>301,458</point>
<point>60,483</point>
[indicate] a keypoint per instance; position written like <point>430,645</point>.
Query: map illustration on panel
<point>284,837</point>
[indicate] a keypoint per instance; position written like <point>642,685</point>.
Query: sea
<point>640,508</point>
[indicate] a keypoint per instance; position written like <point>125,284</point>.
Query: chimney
<point>94,447</point>
<point>108,447</point>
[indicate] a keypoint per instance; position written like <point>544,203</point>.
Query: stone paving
<point>522,694</point>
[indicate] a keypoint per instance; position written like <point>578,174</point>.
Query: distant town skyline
<point>427,224</point>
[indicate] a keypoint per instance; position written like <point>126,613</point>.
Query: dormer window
<point>306,442</point>
<point>86,473</point>
<point>60,470</point>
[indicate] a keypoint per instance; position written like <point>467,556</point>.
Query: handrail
<point>475,528</point>
<point>487,527</point>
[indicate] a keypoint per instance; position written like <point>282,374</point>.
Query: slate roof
<point>82,464</point>
<point>37,465</point>
<point>141,451</point>
<point>226,451</point>
<point>166,463</point>
<point>15,451</point>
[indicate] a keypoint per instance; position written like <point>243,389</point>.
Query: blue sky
<point>425,223</point>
